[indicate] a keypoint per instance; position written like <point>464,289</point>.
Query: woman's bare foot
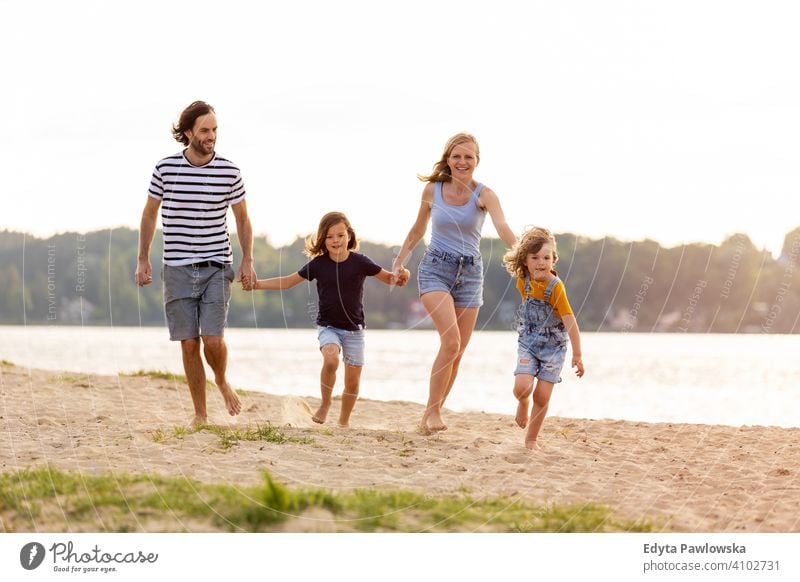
<point>522,412</point>
<point>321,415</point>
<point>232,402</point>
<point>199,422</point>
<point>432,423</point>
<point>532,445</point>
<point>341,424</point>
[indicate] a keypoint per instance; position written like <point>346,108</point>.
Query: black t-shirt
<point>340,287</point>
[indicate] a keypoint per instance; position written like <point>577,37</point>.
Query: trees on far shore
<point>613,285</point>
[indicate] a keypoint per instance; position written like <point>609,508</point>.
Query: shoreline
<point>678,477</point>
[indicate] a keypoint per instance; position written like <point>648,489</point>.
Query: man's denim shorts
<point>460,276</point>
<point>542,354</point>
<point>351,343</point>
<point>196,299</point>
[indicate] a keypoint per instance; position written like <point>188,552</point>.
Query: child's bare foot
<point>522,412</point>
<point>232,402</point>
<point>532,445</point>
<point>321,415</point>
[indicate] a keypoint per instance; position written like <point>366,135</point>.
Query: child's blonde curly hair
<point>531,241</point>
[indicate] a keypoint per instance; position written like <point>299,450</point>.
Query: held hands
<point>144,273</point>
<point>577,363</point>
<point>400,276</point>
<point>247,275</point>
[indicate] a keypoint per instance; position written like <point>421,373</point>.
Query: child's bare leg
<point>352,380</point>
<point>523,386</point>
<point>541,401</point>
<point>327,378</point>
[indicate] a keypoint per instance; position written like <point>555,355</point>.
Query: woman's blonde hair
<point>531,241</point>
<point>441,171</point>
<point>315,245</point>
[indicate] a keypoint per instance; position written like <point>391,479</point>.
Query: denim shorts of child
<point>196,299</point>
<point>541,353</point>
<point>351,343</point>
<point>460,276</point>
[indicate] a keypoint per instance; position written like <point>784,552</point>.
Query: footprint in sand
<point>518,458</point>
<point>296,412</point>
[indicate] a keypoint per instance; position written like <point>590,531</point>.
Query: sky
<point>676,121</point>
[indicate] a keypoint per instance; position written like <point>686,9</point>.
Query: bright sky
<point>678,121</point>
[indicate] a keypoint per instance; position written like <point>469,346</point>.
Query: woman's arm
<point>417,230</point>
<point>278,283</point>
<point>489,200</point>
<point>389,278</point>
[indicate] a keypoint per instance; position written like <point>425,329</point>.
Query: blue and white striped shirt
<point>194,206</point>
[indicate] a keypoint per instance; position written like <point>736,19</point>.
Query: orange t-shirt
<point>558,297</point>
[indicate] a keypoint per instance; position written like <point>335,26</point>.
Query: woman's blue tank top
<point>457,229</point>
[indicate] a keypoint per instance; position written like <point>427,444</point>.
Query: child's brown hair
<point>531,241</point>
<point>315,245</point>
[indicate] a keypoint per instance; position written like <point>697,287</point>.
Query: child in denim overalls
<point>546,319</point>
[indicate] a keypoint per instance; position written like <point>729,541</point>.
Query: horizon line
<point>776,253</point>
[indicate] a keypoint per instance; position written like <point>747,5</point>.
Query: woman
<point>451,272</point>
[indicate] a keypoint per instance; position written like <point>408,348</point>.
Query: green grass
<point>182,431</point>
<point>73,379</point>
<point>50,500</point>
<point>230,437</point>
<point>7,364</point>
<point>180,378</point>
<point>155,374</point>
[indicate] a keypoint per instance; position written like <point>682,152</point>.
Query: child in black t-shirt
<point>340,273</point>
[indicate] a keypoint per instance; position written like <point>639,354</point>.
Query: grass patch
<point>81,380</point>
<point>181,378</point>
<point>229,437</point>
<point>156,375</point>
<point>182,431</point>
<point>50,500</point>
<point>7,364</point>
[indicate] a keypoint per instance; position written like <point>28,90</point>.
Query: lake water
<point>696,378</point>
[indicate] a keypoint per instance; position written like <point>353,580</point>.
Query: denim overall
<point>542,346</point>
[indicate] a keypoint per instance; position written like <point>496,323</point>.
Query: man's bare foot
<point>522,412</point>
<point>532,445</point>
<point>321,415</point>
<point>341,424</point>
<point>232,402</point>
<point>199,422</point>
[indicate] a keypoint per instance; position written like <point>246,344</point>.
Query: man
<point>194,189</point>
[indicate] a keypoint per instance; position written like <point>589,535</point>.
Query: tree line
<point>87,279</point>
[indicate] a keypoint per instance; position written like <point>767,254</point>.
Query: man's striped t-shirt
<point>194,205</point>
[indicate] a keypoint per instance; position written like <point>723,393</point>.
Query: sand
<point>681,477</point>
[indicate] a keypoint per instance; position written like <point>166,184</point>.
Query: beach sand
<point>679,477</point>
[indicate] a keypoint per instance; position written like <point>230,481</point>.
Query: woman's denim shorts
<point>460,276</point>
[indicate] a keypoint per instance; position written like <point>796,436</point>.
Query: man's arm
<point>147,228</point>
<point>247,274</point>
